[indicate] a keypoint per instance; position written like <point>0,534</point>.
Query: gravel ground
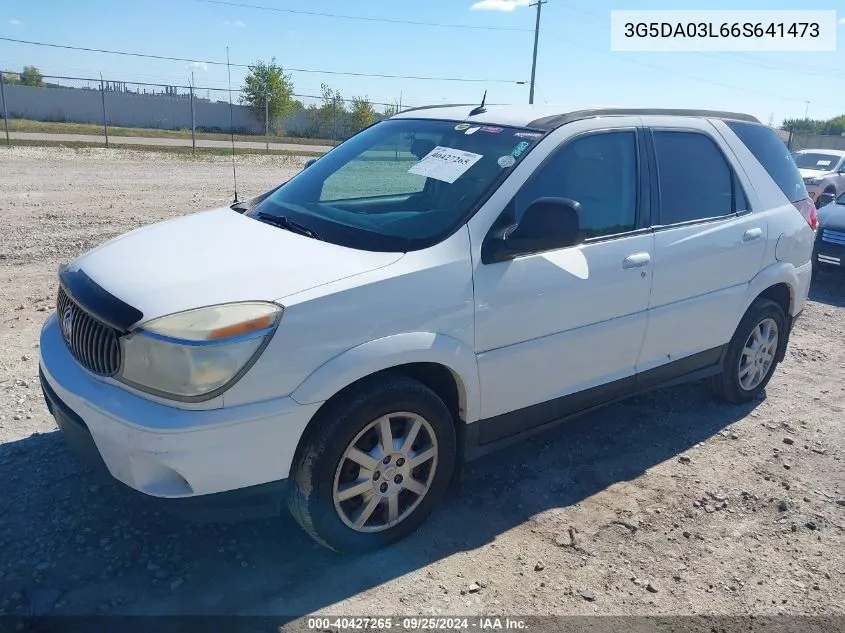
<point>665,504</point>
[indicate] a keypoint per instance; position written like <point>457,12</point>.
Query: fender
<point>392,351</point>
<point>777,273</point>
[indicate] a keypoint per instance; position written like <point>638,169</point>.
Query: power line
<point>363,18</point>
<point>686,75</point>
<point>298,70</point>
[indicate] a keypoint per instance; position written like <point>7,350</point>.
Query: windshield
<point>818,162</point>
<point>400,185</point>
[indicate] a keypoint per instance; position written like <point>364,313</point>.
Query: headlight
<point>192,354</point>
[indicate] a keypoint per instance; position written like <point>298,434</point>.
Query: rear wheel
<point>375,464</point>
<point>752,354</point>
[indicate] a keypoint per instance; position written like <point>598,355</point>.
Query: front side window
<point>400,185</point>
<point>599,171</point>
<point>695,180</point>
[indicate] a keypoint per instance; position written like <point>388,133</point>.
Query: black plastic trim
<point>97,301</point>
<point>491,434</point>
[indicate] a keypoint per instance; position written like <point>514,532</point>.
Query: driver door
<point>560,331</point>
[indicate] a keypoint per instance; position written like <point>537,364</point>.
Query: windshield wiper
<point>289,225</point>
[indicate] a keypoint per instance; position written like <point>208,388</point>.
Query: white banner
<point>704,30</point>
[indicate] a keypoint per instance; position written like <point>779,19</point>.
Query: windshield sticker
<point>472,130</point>
<point>531,135</point>
<point>460,127</point>
<point>824,163</point>
<point>506,161</point>
<point>445,164</point>
<point>520,148</point>
<point>491,130</point>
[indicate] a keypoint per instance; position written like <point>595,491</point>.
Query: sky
<point>575,68</point>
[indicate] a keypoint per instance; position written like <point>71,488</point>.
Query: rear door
<point>709,244</point>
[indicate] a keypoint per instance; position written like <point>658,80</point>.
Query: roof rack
<point>556,120</point>
<point>441,105</point>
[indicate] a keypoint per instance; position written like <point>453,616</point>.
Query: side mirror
<point>309,162</point>
<point>824,200</point>
<point>547,224</point>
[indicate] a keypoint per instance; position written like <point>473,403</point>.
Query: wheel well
<point>780,294</point>
<point>830,189</point>
<point>439,378</point>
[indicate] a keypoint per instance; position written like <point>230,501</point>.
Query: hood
<point>813,173</point>
<point>217,256</point>
<point>832,216</point>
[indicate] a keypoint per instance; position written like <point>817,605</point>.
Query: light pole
<point>539,4</point>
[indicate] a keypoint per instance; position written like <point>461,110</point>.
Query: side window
<point>696,181</point>
<point>773,155</point>
<point>600,172</point>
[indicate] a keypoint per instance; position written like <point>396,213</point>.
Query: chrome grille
<point>93,344</point>
<point>833,237</point>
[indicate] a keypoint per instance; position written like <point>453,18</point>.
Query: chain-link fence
<point>114,112</point>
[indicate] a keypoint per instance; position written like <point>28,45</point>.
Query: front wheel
<point>752,354</point>
<point>374,465</point>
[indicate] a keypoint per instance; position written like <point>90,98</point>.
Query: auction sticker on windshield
<point>445,163</point>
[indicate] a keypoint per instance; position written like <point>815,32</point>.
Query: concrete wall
<point>817,141</point>
<point>127,109</point>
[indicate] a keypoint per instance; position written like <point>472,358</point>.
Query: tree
<point>11,78</point>
<point>362,114</point>
<point>832,127</point>
<point>836,126</point>
<point>267,80</point>
<point>803,126</point>
<point>389,111</point>
<point>326,118</point>
<point>31,76</point>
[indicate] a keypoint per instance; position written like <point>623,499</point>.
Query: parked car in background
<point>823,171</point>
<point>829,249</point>
<point>443,283</point>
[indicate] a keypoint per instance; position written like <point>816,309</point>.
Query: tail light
<point>807,209</point>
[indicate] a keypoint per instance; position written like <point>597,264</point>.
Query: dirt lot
<point>667,504</point>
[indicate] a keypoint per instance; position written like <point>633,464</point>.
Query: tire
<point>732,385</point>
<point>322,471</point>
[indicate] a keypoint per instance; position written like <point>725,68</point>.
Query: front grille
<point>833,237</point>
<point>93,343</point>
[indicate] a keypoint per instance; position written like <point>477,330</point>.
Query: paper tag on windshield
<point>824,163</point>
<point>445,163</point>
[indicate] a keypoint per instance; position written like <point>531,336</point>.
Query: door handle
<point>752,234</point>
<point>637,260</point>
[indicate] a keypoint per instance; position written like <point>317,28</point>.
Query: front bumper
<point>189,456</point>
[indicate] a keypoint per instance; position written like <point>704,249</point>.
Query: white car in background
<point>823,171</point>
<point>441,284</point>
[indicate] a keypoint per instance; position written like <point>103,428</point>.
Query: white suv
<point>440,284</point>
<point>823,171</point>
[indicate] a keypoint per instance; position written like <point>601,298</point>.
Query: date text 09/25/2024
<point>485,623</point>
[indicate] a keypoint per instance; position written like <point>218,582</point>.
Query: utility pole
<point>807,110</point>
<point>539,4</point>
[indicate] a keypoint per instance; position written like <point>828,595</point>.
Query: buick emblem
<point>67,323</point>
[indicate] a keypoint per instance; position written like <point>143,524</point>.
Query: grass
<point>163,149</point>
<point>50,127</point>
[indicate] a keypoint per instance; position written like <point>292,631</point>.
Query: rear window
<point>774,156</point>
